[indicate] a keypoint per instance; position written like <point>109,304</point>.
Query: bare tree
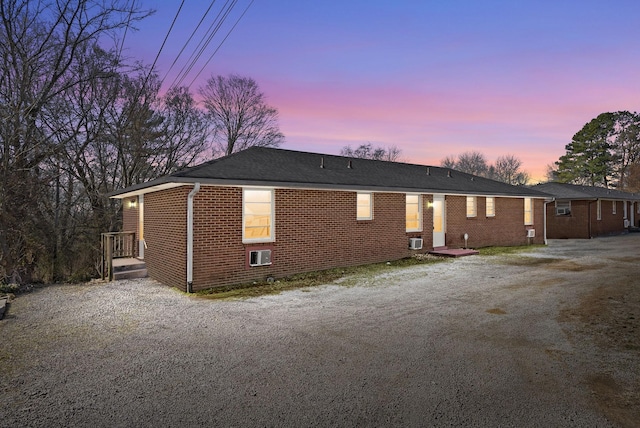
<point>41,45</point>
<point>507,169</point>
<point>367,151</point>
<point>239,114</point>
<point>472,163</point>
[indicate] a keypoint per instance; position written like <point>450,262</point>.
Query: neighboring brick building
<point>587,211</point>
<point>209,225</point>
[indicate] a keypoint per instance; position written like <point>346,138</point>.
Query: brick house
<point>267,212</point>
<point>587,211</point>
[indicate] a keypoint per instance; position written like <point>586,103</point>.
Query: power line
<point>189,40</point>
<point>204,42</point>
<point>220,45</point>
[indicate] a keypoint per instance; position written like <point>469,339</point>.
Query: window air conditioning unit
<point>562,211</point>
<point>627,223</point>
<point>531,233</point>
<point>415,243</point>
<point>259,258</point>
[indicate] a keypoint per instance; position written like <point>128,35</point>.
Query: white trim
<point>190,196</point>
<point>141,242</point>
<point>530,211</point>
<point>370,217</point>
<point>599,209</point>
<point>419,229</point>
<point>474,212</point>
<point>272,226</point>
<point>486,205</point>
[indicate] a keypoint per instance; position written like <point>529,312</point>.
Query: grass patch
<point>310,279</point>
<point>497,251</point>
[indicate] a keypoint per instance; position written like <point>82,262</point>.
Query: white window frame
<point>419,203</point>
<point>272,218</point>
<point>358,205</point>
<point>567,205</point>
<point>614,207</point>
<point>472,206</point>
<point>490,212</point>
<point>528,213</point>
<point>599,209</point>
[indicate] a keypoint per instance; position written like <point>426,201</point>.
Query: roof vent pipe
<point>322,162</point>
<point>428,171</point>
<point>350,165</point>
<point>449,173</point>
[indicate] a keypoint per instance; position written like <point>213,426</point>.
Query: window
<point>599,209</point>
<point>528,211</point>
<point>364,211</point>
<point>414,213</point>
<point>471,206</point>
<point>257,215</point>
<point>614,207</point>
<point>490,207</point>
<point>563,207</point>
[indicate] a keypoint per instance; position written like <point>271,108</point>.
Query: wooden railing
<point>116,245</point>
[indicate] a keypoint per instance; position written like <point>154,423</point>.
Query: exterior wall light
<point>132,203</point>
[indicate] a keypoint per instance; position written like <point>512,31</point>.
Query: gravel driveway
<point>547,338</point>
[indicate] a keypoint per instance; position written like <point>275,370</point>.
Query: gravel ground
<point>547,338</point>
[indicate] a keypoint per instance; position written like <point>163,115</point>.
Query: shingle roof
<point>260,166</point>
<point>577,192</point>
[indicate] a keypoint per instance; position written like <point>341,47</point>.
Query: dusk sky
<point>434,78</point>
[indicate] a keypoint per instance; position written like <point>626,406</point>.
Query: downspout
<point>544,219</point>
<point>192,193</point>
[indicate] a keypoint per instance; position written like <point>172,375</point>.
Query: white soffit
<point>150,189</point>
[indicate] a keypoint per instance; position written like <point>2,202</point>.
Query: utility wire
<point>220,45</point>
<point>163,43</point>
<point>204,42</point>
<point>188,40</point>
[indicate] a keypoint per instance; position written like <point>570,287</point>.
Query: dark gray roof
<point>260,166</point>
<point>577,192</point>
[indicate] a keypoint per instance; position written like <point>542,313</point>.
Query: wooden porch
<point>119,259</point>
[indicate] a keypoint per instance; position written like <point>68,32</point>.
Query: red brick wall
<point>323,234</point>
<point>314,230</point>
<point>130,219</point>
<point>611,224</point>
<point>165,231</point>
<point>506,228</point>
<point>576,225</point>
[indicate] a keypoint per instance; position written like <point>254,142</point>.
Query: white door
<point>438,221</point>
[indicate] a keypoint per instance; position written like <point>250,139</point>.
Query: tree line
<point>605,152</point>
<point>79,120</point>
<point>507,168</point>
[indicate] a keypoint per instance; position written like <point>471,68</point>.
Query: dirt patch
<point>496,311</point>
<point>572,266</point>
<point>609,316</point>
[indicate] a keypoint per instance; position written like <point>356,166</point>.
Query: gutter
<point>192,193</point>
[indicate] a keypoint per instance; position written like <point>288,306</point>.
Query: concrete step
<point>130,264</point>
<point>130,274</point>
